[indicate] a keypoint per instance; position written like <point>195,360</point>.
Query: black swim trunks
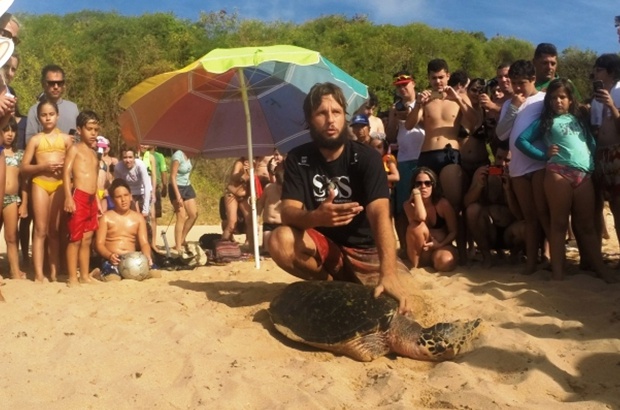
<point>438,159</point>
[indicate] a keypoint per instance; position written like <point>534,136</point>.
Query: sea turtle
<point>346,318</point>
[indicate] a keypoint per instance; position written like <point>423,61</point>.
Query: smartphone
<point>597,85</point>
<point>496,170</point>
<point>437,95</point>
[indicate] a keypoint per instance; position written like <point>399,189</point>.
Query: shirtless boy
<point>442,111</point>
<point>121,230</point>
<point>79,176</point>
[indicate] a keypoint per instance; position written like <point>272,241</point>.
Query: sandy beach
<point>203,339</point>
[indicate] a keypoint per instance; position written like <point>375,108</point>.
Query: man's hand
<point>423,97</point>
<point>604,97</point>
<point>517,100</point>
<point>164,191</point>
<point>451,94</point>
<point>330,214</point>
<point>481,176</point>
<point>391,285</point>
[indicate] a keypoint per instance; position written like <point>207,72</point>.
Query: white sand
<point>203,339</point>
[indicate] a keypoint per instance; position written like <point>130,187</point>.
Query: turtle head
<point>444,341</point>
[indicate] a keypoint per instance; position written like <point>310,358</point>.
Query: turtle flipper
<point>443,341</point>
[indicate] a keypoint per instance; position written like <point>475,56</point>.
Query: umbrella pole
<point>248,126</point>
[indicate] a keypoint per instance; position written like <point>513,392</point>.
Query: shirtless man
<point>442,111</point>
<point>121,230</point>
<point>492,212</point>
<point>605,116</point>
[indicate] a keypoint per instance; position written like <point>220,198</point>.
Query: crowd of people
<point>520,163</point>
<point>468,169</point>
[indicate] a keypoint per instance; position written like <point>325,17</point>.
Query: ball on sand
<point>134,266</point>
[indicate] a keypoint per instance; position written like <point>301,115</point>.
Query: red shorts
<point>360,265</point>
<point>86,215</point>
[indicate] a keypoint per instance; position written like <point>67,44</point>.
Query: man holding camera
<point>492,213</point>
<point>442,111</point>
<point>409,144</point>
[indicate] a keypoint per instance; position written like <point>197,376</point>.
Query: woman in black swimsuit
<point>432,224</point>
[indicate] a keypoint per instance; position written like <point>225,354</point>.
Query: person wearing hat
<point>360,126</point>
<point>409,145</point>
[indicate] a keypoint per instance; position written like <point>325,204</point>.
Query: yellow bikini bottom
<point>49,186</point>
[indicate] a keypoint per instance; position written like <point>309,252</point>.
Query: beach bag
<point>227,251</point>
<point>219,251</point>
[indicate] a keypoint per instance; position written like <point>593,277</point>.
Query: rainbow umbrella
<point>233,102</point>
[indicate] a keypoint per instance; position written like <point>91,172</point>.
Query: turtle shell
<point>330,312</point>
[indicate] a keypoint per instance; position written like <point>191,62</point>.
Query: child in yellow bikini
<point>48,149</point>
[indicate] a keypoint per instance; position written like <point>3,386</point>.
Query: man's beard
<point>329,143</point>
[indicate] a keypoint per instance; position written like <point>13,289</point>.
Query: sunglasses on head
<point>6,33</point>
<point>403,77</point>
<point>427,184</point>
<point>60,83</point>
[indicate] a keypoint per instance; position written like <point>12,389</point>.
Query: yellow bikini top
<point>52,144</point>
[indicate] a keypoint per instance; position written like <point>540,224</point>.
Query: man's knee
<point>281,243</point>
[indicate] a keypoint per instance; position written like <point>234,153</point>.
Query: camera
<point>437,95</point>
<point>597,85</point>
<point>400,106</point>
<point>496,170</point>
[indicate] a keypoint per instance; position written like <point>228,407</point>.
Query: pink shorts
<point>360,265</point>
<point>86,215</point>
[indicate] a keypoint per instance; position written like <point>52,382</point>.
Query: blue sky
<point>585,24</point>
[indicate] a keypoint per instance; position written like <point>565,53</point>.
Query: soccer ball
<point>134,266</point>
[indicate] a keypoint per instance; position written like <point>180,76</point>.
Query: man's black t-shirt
<point>357,176</point>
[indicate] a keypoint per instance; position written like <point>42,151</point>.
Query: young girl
<point>432,224</point>
<point>568,183</point>
<point>236,198</point>
<point>183,199</point>
<point>12,210</point>
<point>48,149</point>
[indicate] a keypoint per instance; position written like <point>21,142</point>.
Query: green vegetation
<point>105,54</point>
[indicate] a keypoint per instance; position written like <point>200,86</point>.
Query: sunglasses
<point>6,33</point>
<point>426,183</point>
<point>60,83</point>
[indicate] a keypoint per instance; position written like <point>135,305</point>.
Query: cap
<point>402,77</point>
<point>360,119</point>
<point>102,142</point>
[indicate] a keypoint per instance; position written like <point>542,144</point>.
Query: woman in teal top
<point>183,198</point>
<point>568,183</point>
